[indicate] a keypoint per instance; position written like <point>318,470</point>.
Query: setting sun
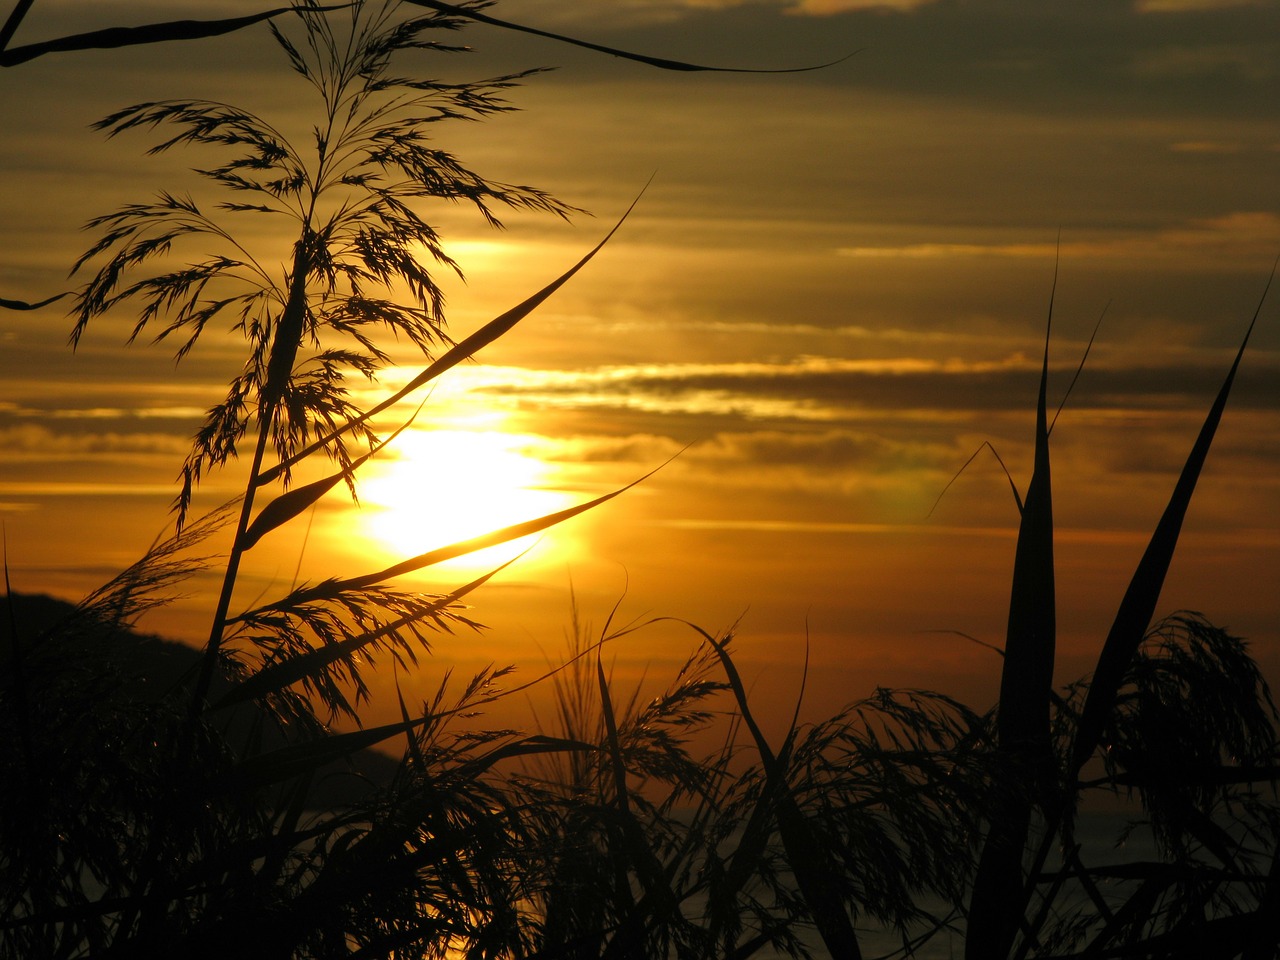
<point>443,486</point>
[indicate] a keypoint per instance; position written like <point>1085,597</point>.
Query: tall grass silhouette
<point>194,811</point>
<point>1043,741</point>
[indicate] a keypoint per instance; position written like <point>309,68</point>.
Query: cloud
<point>826,8</point>
<point>90,488</point>
<point>1207,146</point>
<point>642,448</point>
<point>32,440</point>
<point>829,451</point>
<point>1232,237</point>
<point>824,449</point>
<point>1191,6</point>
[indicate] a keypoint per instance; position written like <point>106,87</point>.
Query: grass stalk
<point>997,902</point>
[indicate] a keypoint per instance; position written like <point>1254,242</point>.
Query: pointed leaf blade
<point>1026,686</point>
<point>293,502</point>
<point>1139,602</point>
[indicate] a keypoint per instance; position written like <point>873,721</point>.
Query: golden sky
<point>835,289</point>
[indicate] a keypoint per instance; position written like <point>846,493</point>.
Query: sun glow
<point>441,487</point>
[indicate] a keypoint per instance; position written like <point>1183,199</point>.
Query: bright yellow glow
<point>443,486</point>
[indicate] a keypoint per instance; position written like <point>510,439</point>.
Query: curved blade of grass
<point>1084,358</point>
<point>999,651</point>
<point>1139,602</point>
<point>13,20</point>
<point>1026,685</point>
<point>293,502</point>
<point>656,882</point>
<point>113,37</point>
<point>284,673</point>
<point>525,747</point>
<point>25,305</point>
<point>1017,497</point>
<point>460,351</point>
<point>300,759</point>
<point>658,62</point>
<point>625,853</point>
<point>810,865</point>
<point>503,535</point>
<point>611,735</point>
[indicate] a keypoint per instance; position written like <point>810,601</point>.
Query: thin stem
<point>284,349</point>
<point>233,569</point>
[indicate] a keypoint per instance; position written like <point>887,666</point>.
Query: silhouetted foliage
<point>162,802</point>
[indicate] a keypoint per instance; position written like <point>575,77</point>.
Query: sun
<point>438,487</point>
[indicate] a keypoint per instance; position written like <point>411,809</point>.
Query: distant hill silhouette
<point>62,645</point>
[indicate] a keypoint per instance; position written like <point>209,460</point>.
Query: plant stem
<point>232,572</point>
<point>284,350</point>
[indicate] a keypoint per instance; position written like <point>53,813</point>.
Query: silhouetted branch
<point>659,62</point>
<point>113,37</point>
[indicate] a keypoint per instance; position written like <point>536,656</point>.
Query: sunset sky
<point>835,289</point>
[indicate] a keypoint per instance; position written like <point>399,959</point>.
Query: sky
<point>832,293</point>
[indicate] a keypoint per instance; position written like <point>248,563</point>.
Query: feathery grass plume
<point>353,197</point>
<point>895,786</point>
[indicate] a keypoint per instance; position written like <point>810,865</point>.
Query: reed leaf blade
<point>815,875</point>
<point>293,502</point>
<point>1137,607</point>
<point>300,759</point>
<point>1026,687</point>
<point>659,62</point>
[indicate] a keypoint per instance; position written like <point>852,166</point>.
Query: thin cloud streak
<point>1229,239</point>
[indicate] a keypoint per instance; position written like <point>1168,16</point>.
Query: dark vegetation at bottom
<point>128,830</point>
